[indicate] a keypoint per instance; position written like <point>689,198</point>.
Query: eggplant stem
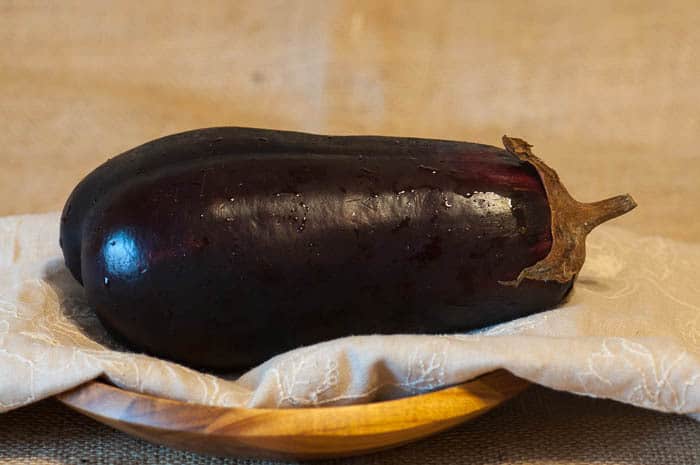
<point>604,210</point>
<point>571,221</point>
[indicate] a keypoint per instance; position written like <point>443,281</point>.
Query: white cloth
<point>630,331</point>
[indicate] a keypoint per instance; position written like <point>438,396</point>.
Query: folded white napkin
<point>630,331</point>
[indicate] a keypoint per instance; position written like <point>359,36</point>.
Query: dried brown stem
<point>571,221</point>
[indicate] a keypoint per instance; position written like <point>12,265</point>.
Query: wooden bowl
<point>295,433</point>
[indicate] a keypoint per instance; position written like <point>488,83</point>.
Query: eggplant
<point>221,247</point>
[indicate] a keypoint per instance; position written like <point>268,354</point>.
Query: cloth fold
<point>630,331</point>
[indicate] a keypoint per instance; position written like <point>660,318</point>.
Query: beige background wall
<point>607,91</point>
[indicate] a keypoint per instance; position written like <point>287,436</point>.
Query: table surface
<point>608,92</point>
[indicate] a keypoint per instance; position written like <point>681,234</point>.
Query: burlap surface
<point>607,91</point>
<point>539,427</point>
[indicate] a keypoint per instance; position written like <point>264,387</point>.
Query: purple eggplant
<point>222,247</point>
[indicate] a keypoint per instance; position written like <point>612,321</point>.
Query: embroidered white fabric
<point>630,331</point>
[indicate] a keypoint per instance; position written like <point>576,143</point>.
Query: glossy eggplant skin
<point>222,247</point>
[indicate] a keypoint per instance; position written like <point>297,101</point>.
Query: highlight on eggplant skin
<point>221,247</point>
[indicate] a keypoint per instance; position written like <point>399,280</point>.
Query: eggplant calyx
<point>571,221</point>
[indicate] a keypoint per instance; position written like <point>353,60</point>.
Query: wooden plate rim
<point>304,432</point>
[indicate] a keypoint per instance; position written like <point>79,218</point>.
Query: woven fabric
<point>628,331</point>
<point>539,427</point>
